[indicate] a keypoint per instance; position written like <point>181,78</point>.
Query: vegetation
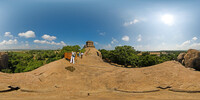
<point>126,55</point>
<point>25,61</point>
<point>75,48</point>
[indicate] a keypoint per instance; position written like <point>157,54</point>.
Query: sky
<point>147,25</point>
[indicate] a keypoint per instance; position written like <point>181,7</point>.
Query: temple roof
<point>89,41</point>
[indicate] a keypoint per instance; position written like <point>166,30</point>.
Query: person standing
<point>72,58</point>
<point>81,55</point>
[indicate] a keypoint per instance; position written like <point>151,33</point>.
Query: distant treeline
<point>127,55</point>
<point>25,61</point>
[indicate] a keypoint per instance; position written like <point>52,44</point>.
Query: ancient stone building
<point>89,44</point>
<point>3,60</point>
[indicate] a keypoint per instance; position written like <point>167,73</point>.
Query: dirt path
<point>92,79</point>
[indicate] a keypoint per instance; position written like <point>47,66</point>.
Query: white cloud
<point>139,38</point>
<point>125,38</point>
<point>102,33</point>
<point>5,42</point>
<point>51,43</point>
<point>41,41</point>
<point>131,22</point>
<point>114,41</point>
<point>195,46</point>
<point>48,37</point>
<point>8,34</point>
<point>49,40</point>
<point>63,43</point>
<point>185,43</point>
<point>135,21</point>
<point>28,34</point>
<point>96,43</point>
<point>194,38</point>
<point>108,47</point>
<point>189,44</point>
<point>54,43</point>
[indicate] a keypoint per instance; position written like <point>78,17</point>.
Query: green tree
<point>123,55</point>
<point>105,53</point>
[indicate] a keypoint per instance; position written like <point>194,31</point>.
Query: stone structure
<point>89,44</point>
<point>3,60</point>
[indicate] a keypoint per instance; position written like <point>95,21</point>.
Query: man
<point>72,57</point>
<point>81,55</point>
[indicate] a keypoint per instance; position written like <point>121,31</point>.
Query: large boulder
<point>180,57</point>
<point>3,60</point>
<point>192,59</point>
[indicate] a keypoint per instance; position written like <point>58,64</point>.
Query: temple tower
<point>89,44</point>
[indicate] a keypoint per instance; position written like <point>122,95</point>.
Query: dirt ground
<point>91,78</point>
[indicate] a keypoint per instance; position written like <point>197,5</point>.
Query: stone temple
<point>89,44</point>
<point>3,60</point>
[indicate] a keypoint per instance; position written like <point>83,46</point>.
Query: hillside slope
<point>94,79</point>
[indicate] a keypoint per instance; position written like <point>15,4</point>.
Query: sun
<point>168,19</point>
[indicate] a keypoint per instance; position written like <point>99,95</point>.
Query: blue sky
<point>143,24</point>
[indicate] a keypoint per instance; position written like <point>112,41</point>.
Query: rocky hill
<point>91,78</point>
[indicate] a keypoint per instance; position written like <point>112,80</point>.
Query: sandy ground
<point>94,79</point>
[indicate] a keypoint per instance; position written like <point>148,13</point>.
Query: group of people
<point>79,54</point>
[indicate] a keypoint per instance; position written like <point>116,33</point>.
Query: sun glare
<point>168,19</point>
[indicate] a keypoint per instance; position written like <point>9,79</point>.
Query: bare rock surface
<point>94,79</point>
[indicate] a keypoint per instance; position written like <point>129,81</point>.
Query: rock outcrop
<point>180,58</point>
<point>190,59</point>
<point>92,77</point>
<point>3,60</point>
